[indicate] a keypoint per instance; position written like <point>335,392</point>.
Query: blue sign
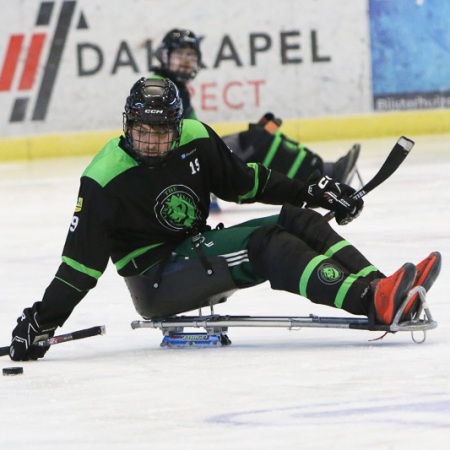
<point>410,46</point>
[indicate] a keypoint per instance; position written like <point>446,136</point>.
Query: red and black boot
<point>427,272</point>
<point>390,292</point>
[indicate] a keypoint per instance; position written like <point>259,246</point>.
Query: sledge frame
<point>217,325</point>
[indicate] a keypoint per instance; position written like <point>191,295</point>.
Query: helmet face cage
<point>153,119</point>
<point>173,42</point>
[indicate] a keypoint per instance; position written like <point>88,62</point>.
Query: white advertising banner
<point>67,66</point>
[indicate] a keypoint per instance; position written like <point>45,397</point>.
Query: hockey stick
<point>393,161</point>
<point>75,335</point>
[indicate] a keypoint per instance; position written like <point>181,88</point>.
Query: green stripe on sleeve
<point>252,193</point>
<point>82,268</point>
<point>140,251</point>
<point>68,284</point>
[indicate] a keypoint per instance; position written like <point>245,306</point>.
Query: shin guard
<point>318,234</point>
<point>289,264</point>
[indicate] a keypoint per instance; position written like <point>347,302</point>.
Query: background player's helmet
<point>153,104</point>
<point>177,39</point>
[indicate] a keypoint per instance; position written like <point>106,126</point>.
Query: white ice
<point>272,388</point>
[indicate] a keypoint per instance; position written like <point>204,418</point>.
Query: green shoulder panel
<point>110,162</point>
<point>192,129</point>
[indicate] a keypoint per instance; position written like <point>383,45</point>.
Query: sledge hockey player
<point>264,143</point>
<point>180,59</point>
<point>143,202</point>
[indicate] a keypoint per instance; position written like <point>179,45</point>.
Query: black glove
<point>329,194</point>
<point>26,332</point>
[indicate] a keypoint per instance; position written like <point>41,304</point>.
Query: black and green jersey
<point>136,215</point>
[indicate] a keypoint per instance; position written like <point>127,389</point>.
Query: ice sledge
<point>216,326</point>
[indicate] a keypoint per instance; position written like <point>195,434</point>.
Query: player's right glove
<point>327,193</point>
<point>26,332</point>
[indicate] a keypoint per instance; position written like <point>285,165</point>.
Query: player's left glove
<point>26,332</point>
<point>329,194</point>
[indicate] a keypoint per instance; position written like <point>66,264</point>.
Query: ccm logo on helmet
<point>154,111</point>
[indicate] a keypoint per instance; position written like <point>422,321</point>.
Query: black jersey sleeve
<point>233,180</point>
<point>85,254</point>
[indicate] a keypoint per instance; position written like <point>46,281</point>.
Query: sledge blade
<point>183,340</point>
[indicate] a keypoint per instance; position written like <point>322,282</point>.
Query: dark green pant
<point>232,244</point>
<point>200,272</point>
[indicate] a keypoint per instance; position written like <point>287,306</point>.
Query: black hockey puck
<point>13,371</point>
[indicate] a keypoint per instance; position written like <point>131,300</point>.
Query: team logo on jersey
<point>79,206</point>
<point>330,274</point>
<point>176,207</point>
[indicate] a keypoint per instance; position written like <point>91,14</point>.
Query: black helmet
<point>173,40</point>
<point>153,101</point>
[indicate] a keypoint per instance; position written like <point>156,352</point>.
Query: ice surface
<point>272,388</point>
